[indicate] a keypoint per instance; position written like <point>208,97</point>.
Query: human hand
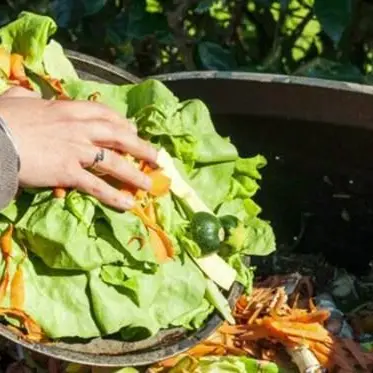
<point>58,140</point>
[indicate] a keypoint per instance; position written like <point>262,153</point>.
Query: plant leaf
<point>215,57</point>
<point>67,12</point>
<point>326,69</point>
<point>334,16</point>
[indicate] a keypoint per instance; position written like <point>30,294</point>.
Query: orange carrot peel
<point>17,291</point>
<point>6,249</point>
<point>159,240</point>
<point>32,331</point>
<point>57,86</point>
<point>259,334</point>
<point>17,288</point>
<point>17,71</point>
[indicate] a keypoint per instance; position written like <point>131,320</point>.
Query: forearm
<point>9,166</point>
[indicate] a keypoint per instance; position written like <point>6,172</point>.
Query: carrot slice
<point>256,334</point>
<point>158,246</point>
<point>305,317</point>
<point>4,283</point>
<point>160,183</point>
<point>155,240</point>
<point>323,359</point>
<point>6,249</point>
<point>59,192</point>
<point>138,211</point>
<point>150,212</point>
<point>16,66</point>
<point>17,289</point>
<point>234,329</point>
<point>314,332</point>
<point>6,242</point>
<point>206,349</point>
<point>323,353</point>
<point>169,363</point>
<point>17,70</point>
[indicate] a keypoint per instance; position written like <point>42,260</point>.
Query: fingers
<point>118,137</point>
<point>104,127</point>
<point>96,187</point>
<point>114,165</point>
<point>130,143</point>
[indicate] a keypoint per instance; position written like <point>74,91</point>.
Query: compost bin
<point>317,191</point>
<point>318,138</point>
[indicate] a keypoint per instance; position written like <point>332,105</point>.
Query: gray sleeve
<point>9,166</point>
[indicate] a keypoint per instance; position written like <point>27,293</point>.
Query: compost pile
<point>290,323</point>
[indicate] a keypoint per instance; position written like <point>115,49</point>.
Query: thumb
<point>20,92</point>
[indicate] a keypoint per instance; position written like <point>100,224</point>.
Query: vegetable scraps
<point>270,322</point>
<point>66,256</point>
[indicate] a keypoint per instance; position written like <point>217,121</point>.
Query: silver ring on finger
<point>99,157</point>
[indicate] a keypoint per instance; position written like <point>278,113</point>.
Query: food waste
<point>283,326</point>
<point>171,260</point>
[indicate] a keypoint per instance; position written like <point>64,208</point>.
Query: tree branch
<point>265,25</point>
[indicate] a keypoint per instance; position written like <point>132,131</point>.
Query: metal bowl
<point>110,352</point>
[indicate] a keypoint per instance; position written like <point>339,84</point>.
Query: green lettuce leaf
<point>184,129</point>
<point>16,209</point>
<point>124,227</point>
<point>28,35</point>
<point>246,174</point>
<point>97,302</point>
<point>245,274</point>
<point>53,295</point>
<point>153,95</point>
<point>239,364</point>
<point>41,85</point>
<point>113,96</point>
<point>173,295</point>
<point>54,228</point>
<point>205,179</point>
<point>254,237</point>
<point>224,364</point>
<point>56,64</point>
<point>241,208</point>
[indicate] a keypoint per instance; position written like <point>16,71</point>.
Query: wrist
<point>9,165</point>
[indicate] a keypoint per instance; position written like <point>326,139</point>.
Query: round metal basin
<point>109,351</point>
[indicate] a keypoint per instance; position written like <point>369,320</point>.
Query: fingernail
<point>152,154</point>
<point>126,202</point>
<point>147,183</point>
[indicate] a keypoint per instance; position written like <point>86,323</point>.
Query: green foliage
<point>318,38</point>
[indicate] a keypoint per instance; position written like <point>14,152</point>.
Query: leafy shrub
<point>320,38</point>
